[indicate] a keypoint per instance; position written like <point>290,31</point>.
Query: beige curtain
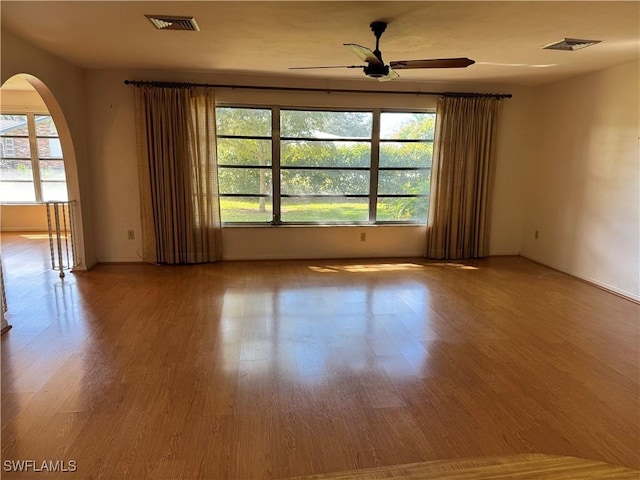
<point>178,174</point>
<point>462,177</point>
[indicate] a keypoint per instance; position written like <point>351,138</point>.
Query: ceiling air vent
<point>571,44</point>
<point>168,22</point>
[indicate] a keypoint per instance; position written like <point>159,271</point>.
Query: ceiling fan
<point>375,67</point>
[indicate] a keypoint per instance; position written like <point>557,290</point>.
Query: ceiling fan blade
<point>433,63</point>
<point>389,76</point>
<point>363,53</point>
<point>327,66</point>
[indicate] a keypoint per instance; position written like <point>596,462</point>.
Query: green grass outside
<point>236,210</point>
<point>246,210</point>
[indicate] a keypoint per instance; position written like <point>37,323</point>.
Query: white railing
<point>60,221</point>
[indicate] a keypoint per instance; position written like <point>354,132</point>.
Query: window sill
<point>323,225</point>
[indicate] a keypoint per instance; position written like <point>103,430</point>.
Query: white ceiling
<point>504,38</point>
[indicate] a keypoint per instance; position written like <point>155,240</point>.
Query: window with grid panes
<point>294,166</point>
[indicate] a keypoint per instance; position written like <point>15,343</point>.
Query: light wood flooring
<point>255,370</point>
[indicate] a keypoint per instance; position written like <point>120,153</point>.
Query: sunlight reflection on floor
<point>40,236</point>
<point>387,267</point>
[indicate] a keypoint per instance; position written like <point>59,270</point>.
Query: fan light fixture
<point>570,44</point>
<point>170,22</point>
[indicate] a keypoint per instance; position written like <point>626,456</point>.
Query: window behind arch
<point>31,161</point>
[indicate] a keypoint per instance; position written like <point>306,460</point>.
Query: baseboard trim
<point>119,260</point>
<point>635,298</point>
<point>504,254</point>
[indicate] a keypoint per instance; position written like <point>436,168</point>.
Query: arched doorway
<point>25,91</point>
<point>38,160</point>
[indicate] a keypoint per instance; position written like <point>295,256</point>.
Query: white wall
<point>582,183</point>
<point>114,173</point>
<point>17,101</point>
<point>23,218</point>
<point>507,215</point>
<point>62,87</point>
<point>369,241</point>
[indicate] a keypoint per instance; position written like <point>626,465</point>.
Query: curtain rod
<point>142,83</point>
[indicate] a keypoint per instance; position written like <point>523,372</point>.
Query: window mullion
<point>35,158</point>
<point>275,164</point>
<point>375,161</point>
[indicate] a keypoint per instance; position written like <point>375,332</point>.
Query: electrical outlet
<point>363,236</point>
<point>131,234</point>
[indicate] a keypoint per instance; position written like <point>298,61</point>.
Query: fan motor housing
<point>376,71</point>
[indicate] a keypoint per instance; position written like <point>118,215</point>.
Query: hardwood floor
<point>265,369</point>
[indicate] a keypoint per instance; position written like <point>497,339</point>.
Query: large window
<point>31,163</point>
<point>330,167</point>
